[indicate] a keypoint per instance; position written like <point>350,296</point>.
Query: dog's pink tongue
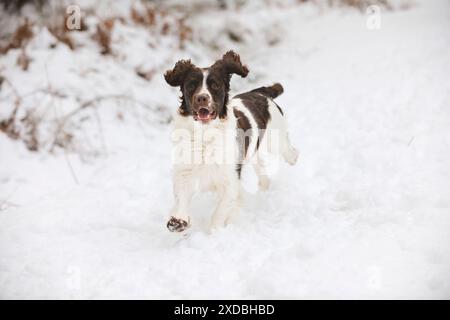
<point>203,114</point>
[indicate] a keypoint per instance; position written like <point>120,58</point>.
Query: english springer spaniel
<point>215,136</point>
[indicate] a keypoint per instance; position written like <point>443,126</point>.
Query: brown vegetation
<point>360,4</point>
<point>20,38</point>
<point>103,35</point>
<point>145,18</point>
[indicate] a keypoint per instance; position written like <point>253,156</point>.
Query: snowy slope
<point>364,214</point>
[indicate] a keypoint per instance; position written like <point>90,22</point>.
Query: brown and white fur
<point>206,109</point>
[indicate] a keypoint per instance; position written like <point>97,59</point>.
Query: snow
<point>364,214</point>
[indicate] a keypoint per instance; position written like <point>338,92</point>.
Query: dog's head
<point>205,90</point>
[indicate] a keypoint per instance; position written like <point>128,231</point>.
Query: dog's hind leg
<point>261,172</point>
<point>289,153</point>
<point>234,210</point>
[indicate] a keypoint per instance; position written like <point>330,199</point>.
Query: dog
<point>212,124</point>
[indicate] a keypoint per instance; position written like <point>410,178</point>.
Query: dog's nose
<point>202,100</point>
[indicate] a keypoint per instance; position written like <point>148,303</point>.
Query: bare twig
<point>66,157</point>
<point>8,125</point>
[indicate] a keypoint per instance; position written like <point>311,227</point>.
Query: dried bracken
<point>8,126</point>
<point>360,4</point>
<point>165,29</point>
<point>30,125</point>
<point>62,35</point>
<point>145,74</point>
<point>20,38</point>
<point>103,35</point>
<point>184,32</point>
<point>23,60</point>
<point>16,5</point>
<point>147,18</point>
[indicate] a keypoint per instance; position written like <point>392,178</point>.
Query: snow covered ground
<point>364,214</point>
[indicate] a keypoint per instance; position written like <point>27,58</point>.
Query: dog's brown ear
<point>232,64</point>
<point>176,76</point>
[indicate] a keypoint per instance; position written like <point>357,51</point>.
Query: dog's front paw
<point>177,225</point>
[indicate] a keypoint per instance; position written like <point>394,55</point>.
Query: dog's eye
<point>191,85</point>
<point>214,85</point>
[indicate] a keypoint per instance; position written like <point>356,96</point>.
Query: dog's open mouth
<point>204,115</point>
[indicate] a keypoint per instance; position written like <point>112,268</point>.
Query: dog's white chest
<point>207,152</point>
<point>213,162</point>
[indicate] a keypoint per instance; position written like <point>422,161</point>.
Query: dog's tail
<point>270,92</point>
